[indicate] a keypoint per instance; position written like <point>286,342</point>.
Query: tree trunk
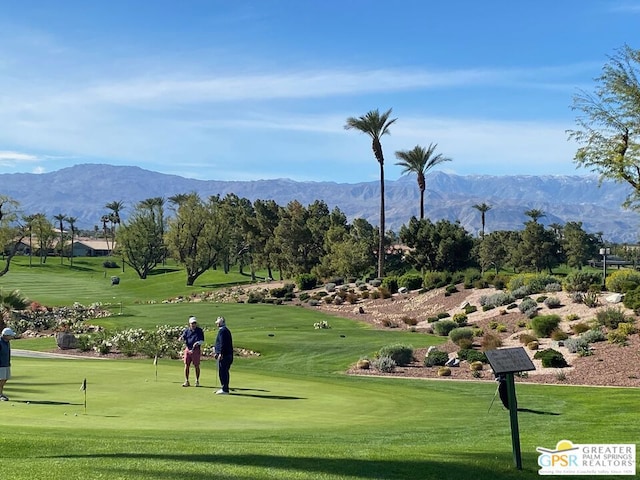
<point>382,226</point>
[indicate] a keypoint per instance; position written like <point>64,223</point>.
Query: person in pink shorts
<point>193,338</point>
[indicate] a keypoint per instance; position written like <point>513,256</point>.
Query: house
<point>91,247</point>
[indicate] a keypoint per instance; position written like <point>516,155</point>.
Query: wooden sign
<point>509,360</point>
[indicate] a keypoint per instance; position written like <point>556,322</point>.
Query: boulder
<point>66,340</point>
<point>614,298</point>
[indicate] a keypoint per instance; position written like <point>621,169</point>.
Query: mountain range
<point>83,191</point>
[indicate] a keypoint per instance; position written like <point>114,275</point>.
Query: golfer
<point>224,355</point>
<point>193,338</point>
<point>5,360</point>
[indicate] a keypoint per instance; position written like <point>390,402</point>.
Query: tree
<point>194,236</point>
<point>492,250</point>
<point>539,247</point>
<point>419,161</point>
<point>141,240</point>
<point>28,224</point>
<point>375,125</point>
<point>72,227</point>
<point>46,235</point>
<point>535,214</point>
<point>608,120</point>
<point>11,233</point>
<point>155,206</point>
<point>114,218</point>
<point>483,208</point>
<point>440,246</point>
<point>578,246</point>
<point>61,217</point>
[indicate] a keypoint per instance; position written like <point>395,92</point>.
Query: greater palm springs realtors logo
<point>587,459</point>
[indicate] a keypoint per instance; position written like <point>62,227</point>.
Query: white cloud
<point>10,158</point>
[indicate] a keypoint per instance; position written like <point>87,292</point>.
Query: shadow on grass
<point>162,270</point>
<point>44,402</point>
<point>462,467</point>
<point>537,412</point>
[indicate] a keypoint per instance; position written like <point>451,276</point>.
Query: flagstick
<point>155,363</point>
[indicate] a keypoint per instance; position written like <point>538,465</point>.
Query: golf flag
<point>83,387</point>
<point>155,364</point>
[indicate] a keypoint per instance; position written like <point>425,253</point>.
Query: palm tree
<point>483,208</point>
<point>375,125</point>
<point>105,219</point>
<point>114,218</point>
<point>28,223</point>
<point>13,300</point>
<point>72,222</point>
<point>420,161</point>
<point>535,214</point>
<point>61,217</point>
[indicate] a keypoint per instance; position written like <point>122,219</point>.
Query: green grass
<point>293,413</point>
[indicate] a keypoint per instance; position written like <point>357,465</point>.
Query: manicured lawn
<point>293,413</point>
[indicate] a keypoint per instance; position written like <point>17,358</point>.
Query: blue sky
<point>260,89</point>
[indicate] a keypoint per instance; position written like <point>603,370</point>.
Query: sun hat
<point>7,332</point>
<point>193,319</point>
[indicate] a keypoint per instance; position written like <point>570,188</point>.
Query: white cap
<point>193,319</point>
<point>220,321</point>
<point>7,332</point>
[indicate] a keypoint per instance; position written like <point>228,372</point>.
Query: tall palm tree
<point>375,125</point>
<point>61,217</point>
<point>28,223</point>
<point>72,226</point>
<point>105,219</point>
<point>483,208</point>
<point>535,214</point>
<point>420,161</point>
<point>114,217</point>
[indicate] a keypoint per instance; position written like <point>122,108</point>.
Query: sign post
<point>505,362</point>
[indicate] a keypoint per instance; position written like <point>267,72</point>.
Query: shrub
<point>442,315</point>
<point>363,364</point>
<point>526,338</point>
<point>553,287</point>
<point>443,327</point>
<point>391,284</point>
<point>572,316</point>
<point>460,319</point>
<point>444,372</point>
<point>617,337</point>
<point>411,281</point>
<point>501,328</point>
<point>471,355</point>
<point>541,299</point>
<point>610,317</point>
<point>559,335</point>
<point>551,358</point>
<point>574,345</point>
<point>384,292</point>
<point>387,322</point>
<point>580,281</point>
<point>533,345</point>
<point>632,300</point>
<point>535,282</point>
<point>409,320</point>
<point>306,281</point>
<point>545,324</point>
<point>590,299</point>
<point>400,354</point>
<point>476,366</point>
<point>376,282</point>
<point>527,304</point>
<point>593,335</point>
<point>579,328</point>
<point>628,328</point>
<point>433,280</point>
<point>255,297</point>
<point>491,341</point>
<point>436,358</point>
<point>109,264</point>
<point>451,289</point>
<point>384,364</point>
<point>497,299</point>
<point>622,281</point>
<point>552,302</point>
<point>281,292</point>
<point>468,309</point>
<point>330,287</point>
<point>432,319</point>
<point>465,343</point>
<point>461,333</point>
